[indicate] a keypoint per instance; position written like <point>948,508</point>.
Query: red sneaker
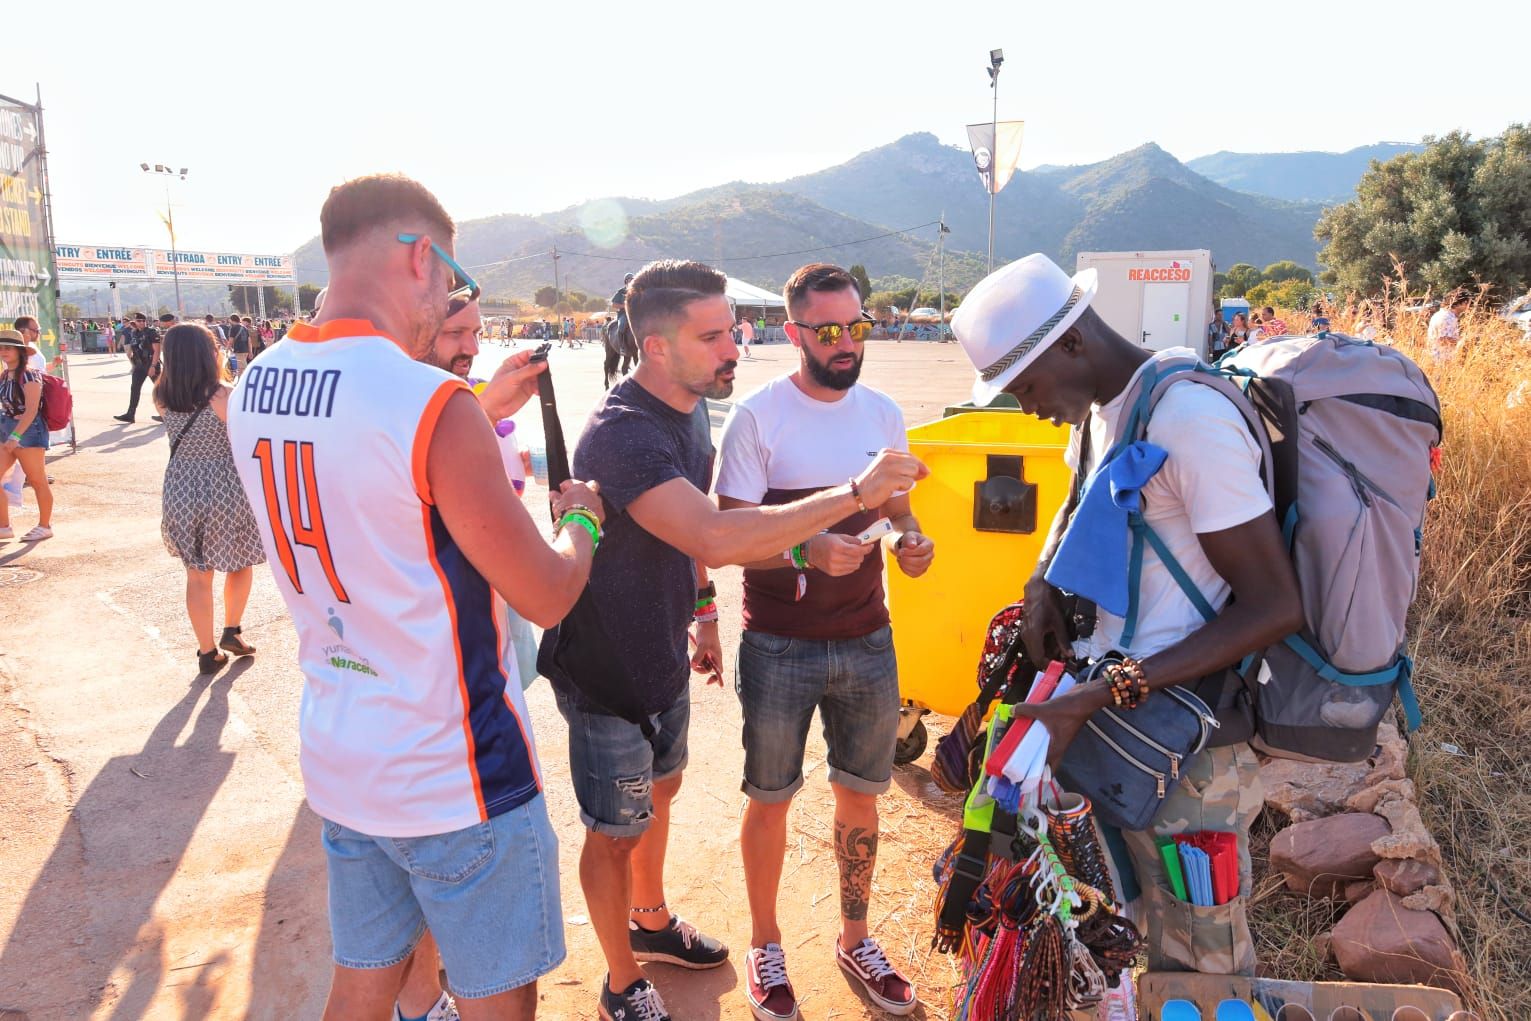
<point>869,966</point>
<point>766,986</point>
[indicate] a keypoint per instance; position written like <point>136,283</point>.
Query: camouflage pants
<point>1219,790</point>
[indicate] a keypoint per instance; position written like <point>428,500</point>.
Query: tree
<point>863,282</point>
<point>1288,294</point>
<point>547,297</point>
<point>1452,214</point>
<point>306,295</point>
<point>1241,277</point>
<point>1286,269</point>
<point>246,302</point>
<point>69,310</point>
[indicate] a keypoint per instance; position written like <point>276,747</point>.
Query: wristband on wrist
<point>703,604</point>
<point>583,521</point>
<point>708,591</point>
<point>707,616</point>
<point>16,436</point>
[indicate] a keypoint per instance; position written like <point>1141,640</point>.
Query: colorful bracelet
<point>799,556</point>
<point>702,604</point>
<point>707,616</point>
<point>16,436</point>
<point>1128,685</point>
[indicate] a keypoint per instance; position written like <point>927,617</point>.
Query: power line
<point>506,262</point>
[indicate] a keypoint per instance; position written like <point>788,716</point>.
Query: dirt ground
<point>158,860</point>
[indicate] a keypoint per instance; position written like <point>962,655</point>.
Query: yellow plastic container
<point>996,481</point>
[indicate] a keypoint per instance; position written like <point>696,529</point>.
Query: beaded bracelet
<point>856,492</point>
<point>1129,686</point>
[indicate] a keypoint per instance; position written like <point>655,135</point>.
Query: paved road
<point>158,859</point>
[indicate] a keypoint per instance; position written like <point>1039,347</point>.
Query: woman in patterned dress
<point>206,520</point>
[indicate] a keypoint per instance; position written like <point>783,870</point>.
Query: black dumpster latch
<point>1005,501</point>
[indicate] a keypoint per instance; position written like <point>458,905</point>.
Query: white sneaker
<point>444,1010</point>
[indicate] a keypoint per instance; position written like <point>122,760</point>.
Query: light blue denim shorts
<point>489,894</point>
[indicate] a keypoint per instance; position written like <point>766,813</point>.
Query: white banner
<point>101,262</point>
<point>996,157</point>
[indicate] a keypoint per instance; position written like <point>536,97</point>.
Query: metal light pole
<point>175,265</point>
<point>996,58</point>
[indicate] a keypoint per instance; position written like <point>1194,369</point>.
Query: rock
<point>1405,876</point>
<point>1368,798</point>
<point>1359,890</point>
<point>1322,856</point>
<point>1303,790</point>
<point>1323,946</point>
<point>1310,790</point>
<point>1380,940</point>
<point>1440,899</point>
<point>1408,837</point>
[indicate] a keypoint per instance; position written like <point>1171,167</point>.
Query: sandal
<point>210,662</point>
<point>38,534</point>
<point>235,644</point>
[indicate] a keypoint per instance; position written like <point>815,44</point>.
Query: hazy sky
<point>528,107</point>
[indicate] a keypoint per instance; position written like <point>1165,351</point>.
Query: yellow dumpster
<point>997,478</point>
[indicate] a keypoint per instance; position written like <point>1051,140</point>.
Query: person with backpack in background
<point>1030,332</point>
<point>25,433</point>
<point>239,346</point>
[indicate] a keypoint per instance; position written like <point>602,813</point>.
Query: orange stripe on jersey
<point>462,680</point>
<point>306,333</point>
<point>423,432</point>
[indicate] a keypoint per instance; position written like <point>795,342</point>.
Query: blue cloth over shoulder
<point>1092,558</point>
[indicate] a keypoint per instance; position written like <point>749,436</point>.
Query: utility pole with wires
<point>941,233</point>
<point>996,58</point>
<point>556,292</point>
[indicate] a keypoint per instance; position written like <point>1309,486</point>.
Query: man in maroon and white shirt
<point>816,631</point>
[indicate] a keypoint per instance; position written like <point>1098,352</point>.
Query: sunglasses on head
<point>463,288</point>
<point>829,334</point>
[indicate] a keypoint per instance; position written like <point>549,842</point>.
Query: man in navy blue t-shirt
<point>649,445</point>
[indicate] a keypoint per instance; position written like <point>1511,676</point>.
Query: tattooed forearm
<point>856,852</point>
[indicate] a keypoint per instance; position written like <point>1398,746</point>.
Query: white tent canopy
<point>741,293</point>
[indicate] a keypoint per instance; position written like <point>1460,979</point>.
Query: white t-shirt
<point>779,438</point>
<point>780,445</point>
<point>1209,482</point>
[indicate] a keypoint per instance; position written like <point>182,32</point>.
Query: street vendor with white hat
<point>1030,332</point>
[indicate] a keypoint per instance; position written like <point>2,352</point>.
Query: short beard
<point>834,379</point>
<point>716,389</point>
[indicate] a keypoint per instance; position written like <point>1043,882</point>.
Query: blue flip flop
<point>1235,1010</point>
<point>1179,1010</point>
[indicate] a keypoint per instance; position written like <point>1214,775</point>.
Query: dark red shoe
<point>869,966</point>
<point>766,986</point>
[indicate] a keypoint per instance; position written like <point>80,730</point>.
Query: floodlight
<point>996,57</point>
<point>145,166</point>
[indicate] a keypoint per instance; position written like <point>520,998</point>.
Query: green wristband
<point>585,522</point>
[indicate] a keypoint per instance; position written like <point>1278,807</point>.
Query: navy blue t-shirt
<point>644,588</point>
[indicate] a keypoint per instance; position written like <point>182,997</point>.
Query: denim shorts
<point>36,434</point>
<point>614,767</point>
<point>853,682</point>
<point>489,894</point>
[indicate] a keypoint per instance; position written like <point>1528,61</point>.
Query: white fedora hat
<point>1013,315</point>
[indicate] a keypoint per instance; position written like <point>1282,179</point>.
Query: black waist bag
<point>1125,760</point>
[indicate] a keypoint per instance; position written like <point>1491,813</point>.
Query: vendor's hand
<point>707,652</point>
<point>915,552</point>
<point>572,492</point>
<point>1062,717</point>
<point>512,385</point>
<point>836,555</point>
<point>1043,627</point>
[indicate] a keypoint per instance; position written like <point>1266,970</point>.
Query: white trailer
<point>1157,299</point>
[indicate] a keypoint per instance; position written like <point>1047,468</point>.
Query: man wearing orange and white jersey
<point>390,526</point>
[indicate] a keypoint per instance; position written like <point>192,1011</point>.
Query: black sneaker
<point>638,1002</point>
<point>678,943</point>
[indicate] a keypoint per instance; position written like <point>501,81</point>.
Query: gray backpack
<point>1346,431</point>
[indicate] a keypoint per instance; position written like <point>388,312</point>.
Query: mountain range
<point>1328,177</point>
<point>1257,208</point>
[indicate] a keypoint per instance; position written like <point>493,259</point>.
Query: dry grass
<point>1471,646</point>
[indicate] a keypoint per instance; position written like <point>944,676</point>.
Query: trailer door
<point>1165,321</point>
